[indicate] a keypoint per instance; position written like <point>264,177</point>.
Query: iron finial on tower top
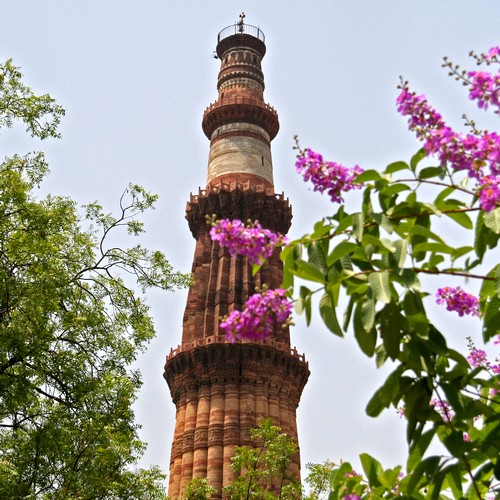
<point>241,23</point>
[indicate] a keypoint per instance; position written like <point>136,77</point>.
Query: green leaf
<point>409,279</point>
<point>328,314</point>
<point>396,166</point>
<point>256,268</point>
<point>357,226</point>
<point>366,339</point>
<point>316,253</point>
<point>420,233</point>
<point>379,282</point>
<point>418,323</point>
<point>321,229</point>
<point>430,246</point>
<point>497,280</point>
<point>348,312</point>
<point>428,172</point>
<point>368,313</point>
<point>383,221</point>
<point>484,237</point>
<point>308,271</point>
<point>391,324</point>
<point>418,449</point>
<point>492,220</point>
<point>427,467</point>
<point>422,229</point>
<point>400,250</point>
<point>453,440</point>
<point>460,218</point>
<point>342,249</point>
<point>453,479</point>
<point>372,468</point>
<point>417,158</point>
<point>289,255</point>
<point>303,303</point>
<point>417,409</point>
<point>491,318</point>
<point>443,195</point>
<point>368,175</point>
<point>384,396</point>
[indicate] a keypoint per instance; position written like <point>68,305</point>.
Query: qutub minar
<point>222,389</point>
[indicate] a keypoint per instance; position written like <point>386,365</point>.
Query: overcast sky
<point>135,77</point>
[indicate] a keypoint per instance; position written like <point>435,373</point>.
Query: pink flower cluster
<point>327,176</point>
<point>468,152</point>
<point>485,89</point>
<point>443,408</point>
<point>492,54</point>
<point>262,311</point>
<point>489,192</point>
<point>477,357</point>
<point>252,240</point>
<point>458,300</point>
<point>464,152</point>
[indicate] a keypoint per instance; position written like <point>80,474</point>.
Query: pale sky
<point>135,77</point>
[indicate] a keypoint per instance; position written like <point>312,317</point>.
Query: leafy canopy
<point>70,326</point>
<point>367,266</point>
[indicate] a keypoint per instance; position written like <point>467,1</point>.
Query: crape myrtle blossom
<point>477,358</point>
<point>484,88</point>
<point>462,151</point>
<point>458,300</point>
<point>443,408</point>
<point>251,240</point>
<point>327,176</point>
<point>492,54</point>
<point>261,313</point>
<point>489,193</point>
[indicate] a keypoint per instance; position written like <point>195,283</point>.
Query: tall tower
<point>222,389</point>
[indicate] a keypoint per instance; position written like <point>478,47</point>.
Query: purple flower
<point>261,313</point>
<point>352,497</point>
<point>492,53</point>
<point>443,408</point>
<point>489,193</point>
<point>477,357</point>
<point>463,151</point>
<point>458,300</point>
<point>327,176</point>
<point>353,473</point>
<point>252,240</point>
<point>484,88</point>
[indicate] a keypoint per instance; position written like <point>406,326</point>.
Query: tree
<point>262,470</point>
<point>369,265</point>
<point>70,326</point>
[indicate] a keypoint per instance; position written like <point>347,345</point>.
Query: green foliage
<point>198,489</point>
<point>373,260</point>
<point>263,470</point>
<point>70,326</point>
<point>318,480</point>
<point>40,114</point>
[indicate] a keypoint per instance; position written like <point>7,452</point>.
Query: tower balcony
<point>240,34</point>
<point>240,108</point>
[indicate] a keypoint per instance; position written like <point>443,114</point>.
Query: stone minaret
<point>220,389</point>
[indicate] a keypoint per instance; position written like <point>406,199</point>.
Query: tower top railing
<point>241,28</point>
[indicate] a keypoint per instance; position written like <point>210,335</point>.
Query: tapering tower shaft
<point>222,389</point>
<point>240,125</point>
